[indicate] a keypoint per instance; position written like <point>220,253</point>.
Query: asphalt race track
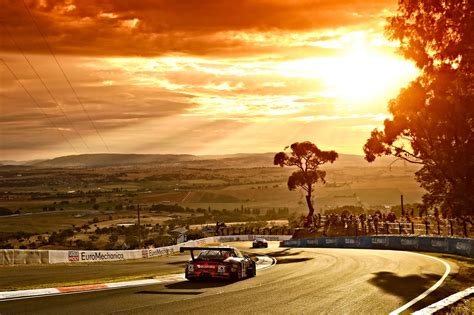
<point>304,281</point>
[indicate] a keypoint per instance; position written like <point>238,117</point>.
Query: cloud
<point>154,27</point>
<point>205,76</point>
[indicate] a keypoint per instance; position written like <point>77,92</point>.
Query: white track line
<point>268,262</point>
<point>427,292</point>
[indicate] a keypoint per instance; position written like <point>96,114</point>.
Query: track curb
<point>435,307</point>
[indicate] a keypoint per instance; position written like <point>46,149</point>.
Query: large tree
<point>307,157</point>
<point>433,118</point>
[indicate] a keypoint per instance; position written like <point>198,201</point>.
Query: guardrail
<point>457,246</point>
<point>24,256</point>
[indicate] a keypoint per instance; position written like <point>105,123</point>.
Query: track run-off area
<point>303,281</point>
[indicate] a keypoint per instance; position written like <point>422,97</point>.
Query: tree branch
<point>407,153</point>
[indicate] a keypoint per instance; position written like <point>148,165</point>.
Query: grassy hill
<point>111,159</point>
<point>249,160</point>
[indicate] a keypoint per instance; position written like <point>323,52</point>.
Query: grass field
<point>78,191</point>
<point>44,222</point>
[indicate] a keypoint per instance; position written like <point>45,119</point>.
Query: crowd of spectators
<point>389,223</point>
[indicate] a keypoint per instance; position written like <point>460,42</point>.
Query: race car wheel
<point>252,271</point>
<point>190,278</point>
<point>236,276</point>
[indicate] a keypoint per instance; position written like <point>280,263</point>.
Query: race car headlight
<point>221,268</point>
<point>190,268</point>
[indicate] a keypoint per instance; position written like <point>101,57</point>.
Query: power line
<point>51,122</point>
<point>65,76</point>
<point>46,87</point>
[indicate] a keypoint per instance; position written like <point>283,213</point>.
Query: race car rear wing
<point>193,248</point>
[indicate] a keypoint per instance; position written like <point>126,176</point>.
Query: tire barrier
<point>449,245</point>
<point>24,256</point>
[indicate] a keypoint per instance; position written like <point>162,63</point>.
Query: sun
<point>359,80</point>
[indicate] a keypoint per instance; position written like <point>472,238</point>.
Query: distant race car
<point>218,262</point>
<point>260,242</point>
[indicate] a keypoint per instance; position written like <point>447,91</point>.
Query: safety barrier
<point>21,256</point>
<point>449,245</point>
<point>16,256</point>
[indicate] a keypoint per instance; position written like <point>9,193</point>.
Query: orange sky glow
<point>198,77</point>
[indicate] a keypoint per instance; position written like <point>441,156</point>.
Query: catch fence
<point>335,226</point>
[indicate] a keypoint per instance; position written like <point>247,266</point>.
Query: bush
<point>131,241</point>
<point>113,238</point>
<point>5,211</point>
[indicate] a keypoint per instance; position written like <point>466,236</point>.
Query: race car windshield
<point>238,253</point>
<point>214,255</point>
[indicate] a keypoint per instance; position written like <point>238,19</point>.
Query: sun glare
<point>359,79</point>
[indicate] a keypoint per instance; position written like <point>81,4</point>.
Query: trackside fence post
<point>412,228</point>
<point>427,227</point>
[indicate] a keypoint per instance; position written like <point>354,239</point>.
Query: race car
<point>218,262</point>
<point>260,242</point>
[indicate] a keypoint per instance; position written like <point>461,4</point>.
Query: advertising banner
<point>458,246</point>
<point>92,256</point>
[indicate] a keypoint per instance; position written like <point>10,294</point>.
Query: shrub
<point>5,211</point>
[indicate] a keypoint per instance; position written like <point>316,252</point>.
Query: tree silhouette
<point>307,157</point>
<point>433,118</point>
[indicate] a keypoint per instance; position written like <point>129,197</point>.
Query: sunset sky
<point>198,77</point>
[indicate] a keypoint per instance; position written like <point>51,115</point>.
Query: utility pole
<point>139,228</point>
<point>401,203</point>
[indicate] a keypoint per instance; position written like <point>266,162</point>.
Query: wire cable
<point>65,76</point>
<point>51,122</point>
<point>46,87</point>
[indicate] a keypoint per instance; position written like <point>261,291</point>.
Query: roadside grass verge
<point>462,307</point>
<point>95,281</point>
<point>461,278</point>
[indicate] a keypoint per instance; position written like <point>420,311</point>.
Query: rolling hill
<point>192,161</point>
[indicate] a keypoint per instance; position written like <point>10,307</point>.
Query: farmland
<point>70,192</point>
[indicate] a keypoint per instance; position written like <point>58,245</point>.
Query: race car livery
<point>218,262</point>
<point>260,242</point>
